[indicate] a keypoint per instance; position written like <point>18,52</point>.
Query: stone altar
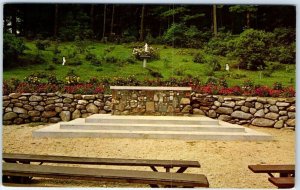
<point>145,100</point>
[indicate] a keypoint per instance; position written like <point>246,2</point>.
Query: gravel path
<point>225,163</point>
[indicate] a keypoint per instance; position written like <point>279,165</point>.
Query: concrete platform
<point>150,127</point>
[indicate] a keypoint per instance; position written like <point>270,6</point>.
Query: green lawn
<point>174,62</point>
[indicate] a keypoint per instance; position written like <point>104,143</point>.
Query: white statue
<point>64,61</point>
<point>227,67</point>
<point>146,48</point>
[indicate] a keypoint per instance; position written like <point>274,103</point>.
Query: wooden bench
<point>286,174</point>
<point>282,170</point>
<point>154,179</point>
<point>283,182</point>
<point>167,164</point>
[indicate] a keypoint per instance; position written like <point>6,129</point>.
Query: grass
<point>174,62</point>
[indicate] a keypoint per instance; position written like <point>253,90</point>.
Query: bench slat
<point>272,168</point>
<point>127,176</point>
<point>98,161</point>
<point>283,182</point>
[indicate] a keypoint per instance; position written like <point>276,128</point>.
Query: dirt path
<point>225,163</point>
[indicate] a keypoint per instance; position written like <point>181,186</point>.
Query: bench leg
<point>167,169</point>
<point>181,170</point>
<point>153,168</point>
<point>154,186</point>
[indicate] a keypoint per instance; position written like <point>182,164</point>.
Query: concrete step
<point>171,120</point>
<point>148,127</point>
<point>57,132</point>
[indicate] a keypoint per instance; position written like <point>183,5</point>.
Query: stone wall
<point>54,107</point>
<point>21,108</point>
<point>259,111</point>
<point>131,100</point>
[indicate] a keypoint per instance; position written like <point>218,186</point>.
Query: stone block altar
<point>145,100</point>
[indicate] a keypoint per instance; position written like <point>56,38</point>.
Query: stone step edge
<point>148,127</point>
<point>55,128</point>
<point>142,117</point>
<point>211,136</point>
<point>175,122</point>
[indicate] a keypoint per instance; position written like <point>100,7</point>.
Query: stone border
<point>161,88</point>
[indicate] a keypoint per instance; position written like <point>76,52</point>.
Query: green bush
<point>199,58</point>
<point>12,48</point>
<point>90,56</point>
<point>213,62</point>
<point>212,80</point>
<point>51,68</point>
<point>154,73</point>
<point>42,45</point>
<point>96,62</point>
<point>284,36</point>
<point>251,48</point>
<point>56,60</point>
<point>111,59</point>
<point>181,35</point>
<point>287,54</point>
<point>221,44</point>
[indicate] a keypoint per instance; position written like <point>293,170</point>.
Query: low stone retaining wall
<point>259,111</point>
<point>21,108</point>
<point>144,100</point>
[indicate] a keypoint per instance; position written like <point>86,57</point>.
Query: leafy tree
<point>248,9</point>
<point>12,48</point>
<point>251,48</point>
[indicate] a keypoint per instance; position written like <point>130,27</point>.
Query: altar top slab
<point>162,88</point>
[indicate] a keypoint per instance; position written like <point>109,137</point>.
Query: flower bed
<point>88,88</point>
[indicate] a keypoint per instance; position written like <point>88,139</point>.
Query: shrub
<point>175,35</point>
<point>96,62</point>
<point>212,80</point>
<point>130,60</point>
<point>33,79</point>
<point>277,86</point>
<point>248,84</point>
<point>74,62</point>
<point>199,58</point>
<point>214,62</point>
<point>53,80</point>
<point>220,44</point>
<point>50,67</point>
<point>72,78</point>
<point>154,74</point>
<point>251,48</point>
<point>238,76</point>
<point>287,54</point>
<point>38,59</point>
<point>42,45</point>
<point>267,73</point>
<point>12,48</point>
<point>90,56</point>
<point>56,50</point>
<point>111,59</point>
<point>284,36</point>
<point>181,35</point>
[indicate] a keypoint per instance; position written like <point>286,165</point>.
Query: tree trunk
<point>14,21</point>
<point>55,20</point>
<point>112,20</point>
<point>248,19</point>
<point>215,20</point>
<point>92,17</point>
<point>104,20</point>
<point>142,24</point>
